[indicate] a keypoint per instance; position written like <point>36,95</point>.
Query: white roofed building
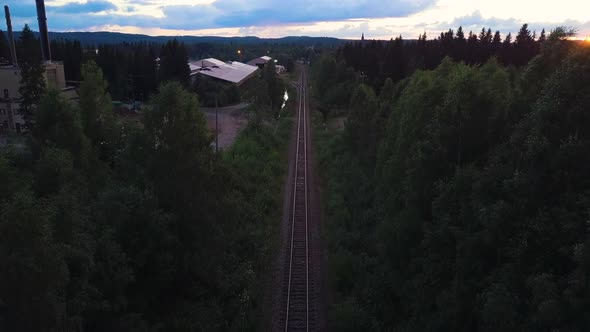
<point>231,71</point>
<point>260,62</point>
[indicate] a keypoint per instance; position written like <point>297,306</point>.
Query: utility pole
<point>216,126</point>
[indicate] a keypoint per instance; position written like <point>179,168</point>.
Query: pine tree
<point>524,48</point>
<point>460,34</point>
<point>32,81</point>
<point>458,52</point>
<point>450,34</point>
<point>524,35</point>
<point>485,45</point>
<point>496,42</point>
<point>543,37</point>
<point>506,50</point>
<point>472,48</point>
<point>174,63</point>
<point>508,39</point>
<point>482,35</point>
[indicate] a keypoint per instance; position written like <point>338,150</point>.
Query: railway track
<point>299,291</point>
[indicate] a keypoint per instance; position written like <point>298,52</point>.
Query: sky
<point>377,19</point>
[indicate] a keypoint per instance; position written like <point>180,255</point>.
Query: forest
<point>131,66</point>
<point>457,196</point>
<point>114,225</point>
<point>374,61</point>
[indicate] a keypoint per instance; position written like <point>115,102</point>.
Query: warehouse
<point>231,71</point>
<point>260,62</point>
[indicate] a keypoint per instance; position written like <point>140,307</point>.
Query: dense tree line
<point>398,58</point>
<point>111,226</point>
<point>458,198</point>
<point>134,70</point>
<point>71,54</point>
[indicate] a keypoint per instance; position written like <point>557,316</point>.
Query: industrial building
<point>260,62</point>
<point>231,71</point>
<point>10,76</point>
<point>263,60</point>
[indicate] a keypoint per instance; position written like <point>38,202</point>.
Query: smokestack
<point>43,33</point>
<point>10,37</point>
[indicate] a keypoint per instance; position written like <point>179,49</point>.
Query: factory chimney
<point>43,33</point>
<point>10,37</point>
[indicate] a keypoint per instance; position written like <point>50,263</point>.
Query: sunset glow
<point>277,18</point>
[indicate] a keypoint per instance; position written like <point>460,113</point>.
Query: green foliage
<point>553,51</point>
<point>35,273</point>
<point>57,124</point>
<point>173,64</point>
<point>265,93</point>
<point>257,157</point>
<point>96,111</point>
<point>473,216</point>
<point>71,54</point>
<point>363,125</point>
<point>397,59</point>
<point>211,91</point>
<point>125,228</point>
<point>177,131</point>
<point>332,83</point>
<point>130,69</point>
<point>276,87</point>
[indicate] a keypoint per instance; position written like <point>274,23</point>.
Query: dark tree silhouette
<point>32,81</point>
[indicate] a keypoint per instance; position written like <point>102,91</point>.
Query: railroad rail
<point>299,295</point>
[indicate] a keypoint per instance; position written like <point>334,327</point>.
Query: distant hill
<point>95,38</point>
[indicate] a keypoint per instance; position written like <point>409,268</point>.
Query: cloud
<point>221,13</point>
<point>273,18</point>
<point>267,12</point>
<point>95,6</point>
<point>239,13</point>
<point>28,9</point>
<point>21,9</point>
<point>475,22</point>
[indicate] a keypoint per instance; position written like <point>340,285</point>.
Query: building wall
<point>55,75</point>
<point>10,118</point>
<point>9,83</point>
